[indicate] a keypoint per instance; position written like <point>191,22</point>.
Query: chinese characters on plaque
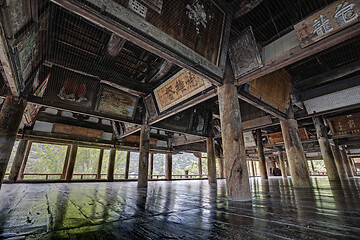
<point>179,88</point>
<point>330,20</point>
<point>346,124</point>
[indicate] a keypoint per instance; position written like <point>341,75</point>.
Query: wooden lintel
<point>186,139</point>
<point>259,104</point>
<point>297,53</point>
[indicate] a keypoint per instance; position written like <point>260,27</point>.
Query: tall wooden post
<point>99,166</point>
<point>19,156</point>
<point>25,159</point>
<point>237,178</point>
<point>295,152</point>
<point>144,153</point>
<point>200,165</point>
<point>260,149</point>
<point>312,166</point>
<point>72,159</point>
<point>168,166</point>
<point>66,162</point>
<point>353,166</point>
<point>346,162</point>
<point>111,166</point>
<point>253,168</point>
<point>287,168</point>
<point>325,148</point>
<point>211,161</point>
<point>127,164</point>
<point>10,119</point>
<point>282,164</point>
<point>151,165</point>
<point>221,167</point>
<point>339,162</point>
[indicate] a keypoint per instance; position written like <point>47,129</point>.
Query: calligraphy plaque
<point>273,89</point>
<point>116,103</point>
<point>328,21</point>
<point>244,54</point>
<point>346,124</point>
<point>179,88</point>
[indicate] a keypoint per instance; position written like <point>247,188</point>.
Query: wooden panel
<point>278,137</point>
<point>32,110</point>
<point>150,106</point>
<point>273,89</point>
<point>178,89</point>
<point>328,21</point>
<point>136,139</point>
<point>244,54</point>
<point>77,131</point>
<point>346,124</point>
<point>249,139</point>
<point>257,122</point>
<point>16,15</point>
<point>116,102</point>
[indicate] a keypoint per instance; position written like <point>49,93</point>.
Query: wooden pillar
<point>221,167</point>
<point>211,161</point>
<point>101,156</point>
<point>111,166</point>
<point>10,118</point>
<point>168,166</point>
<point>325,148</point>
<point>25,159</point>
<point>260,149</point>
<point>282,164</point>
<point>18,160</point>
<point>312,166</point>
<point>237,178</point>
<point>353,166</point>
<point>144,153</point>
<point>253,167</point>
<point>287,168</point>
<point>295,152</point>
<point>339,162</point>
<point>72,159</point>
<point>200,165</point>
<point>127,164</point>
<point>66,162</point>
<point>347,163</point>
<point>151,165</point>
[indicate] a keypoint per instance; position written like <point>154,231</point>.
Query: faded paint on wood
<point>78,131</point>
<point>295,153</point>
<point>136,139</point>
<point>346,124</point>
<point>261,121</point>
<point>328,21</point>
<point>273,89</point>
<point>325,149</point>
<point>278,137</point>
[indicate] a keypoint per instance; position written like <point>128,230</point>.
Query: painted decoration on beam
<point>244,54</point>
<point>273,89</point>
<point>278,137</point>
<point>76,131</point>
<point>346,124</point>
<point>328,21</point>
<point>116,103</point>
<point>179,88</point>
<point>32,110</point>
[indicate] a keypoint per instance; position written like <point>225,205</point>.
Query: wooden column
<point>282,164</point>
<point>325,148</point>
<point>200,165</point>
<point>25,159</point>
<point>237,178</point>
<point>111,166</point>
<point>295,152</point>
<point>211,161</point>
<point>144,153</point>
<point>347,163</point>
<point>168,166</point>
<point>260,149</point>
<point>339,161</point>
<point>312,166</point>
<point>72,159</point>
<point>221,167</point>
<point>151,165</point>
<point>353,166</point>
<point>253,168</point>
<point>101,156</point>
<point>18,160</point>
<point>127,164</point>
<point>287,168</point>
<point>66,163</point>
<point>10,118</point>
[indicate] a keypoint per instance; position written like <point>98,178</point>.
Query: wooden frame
<point>114,96</point>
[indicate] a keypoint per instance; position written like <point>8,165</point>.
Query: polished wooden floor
<point>180,210</point>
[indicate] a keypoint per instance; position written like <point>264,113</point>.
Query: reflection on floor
<point>179,210</point>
